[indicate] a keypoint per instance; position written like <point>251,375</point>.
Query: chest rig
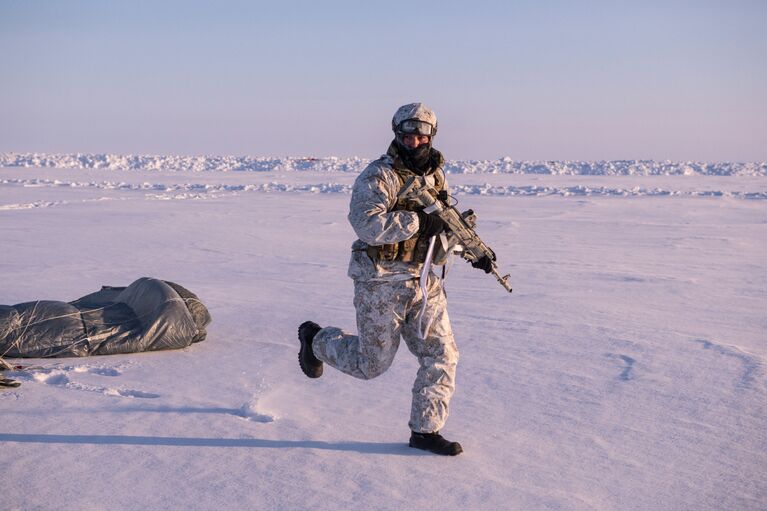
<point>412,250</point>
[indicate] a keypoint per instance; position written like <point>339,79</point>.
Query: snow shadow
<point>397,449</point>
<point>246,411</point>
<point>751,365</point>
<point>627,372</point>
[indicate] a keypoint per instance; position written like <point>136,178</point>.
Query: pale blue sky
<point>590,80</point>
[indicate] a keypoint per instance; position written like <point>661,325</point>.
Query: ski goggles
<point>415,127</point>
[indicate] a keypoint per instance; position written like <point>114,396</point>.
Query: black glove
<point>429,224</point>
<point>484,263</point>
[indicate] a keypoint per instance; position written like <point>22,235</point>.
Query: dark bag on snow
<point>149,314</point>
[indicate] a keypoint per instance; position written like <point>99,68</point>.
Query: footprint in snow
<point>60,377</point>
<point>248,411</point>
<point>628,363</point>
<point>750,364</point>
<point>129,393</point>
<point>101,371</point>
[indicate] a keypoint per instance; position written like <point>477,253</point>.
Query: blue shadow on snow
<point>400,449</point>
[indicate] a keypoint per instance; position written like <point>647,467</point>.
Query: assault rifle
<point>462,237</point>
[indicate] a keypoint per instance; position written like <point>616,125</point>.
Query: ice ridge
<point>505,165</point>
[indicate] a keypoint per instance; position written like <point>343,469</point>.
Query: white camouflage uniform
<point>388,300</point>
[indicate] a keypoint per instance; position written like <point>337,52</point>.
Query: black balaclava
<point>418,159</point>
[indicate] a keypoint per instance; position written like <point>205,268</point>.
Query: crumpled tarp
<point>148,315</point>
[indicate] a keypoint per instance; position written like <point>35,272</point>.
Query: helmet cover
<point>415,118</point>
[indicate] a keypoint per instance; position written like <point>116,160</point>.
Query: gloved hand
<point>430,224</point>
<point>484,263</point>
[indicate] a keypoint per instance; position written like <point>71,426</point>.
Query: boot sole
<point>309,370</point>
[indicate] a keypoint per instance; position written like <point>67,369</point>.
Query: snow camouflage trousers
<point>386,311</point>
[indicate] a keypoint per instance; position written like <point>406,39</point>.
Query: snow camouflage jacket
<point>376,219</point>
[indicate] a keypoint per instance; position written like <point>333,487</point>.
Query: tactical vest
<point>413,249</point>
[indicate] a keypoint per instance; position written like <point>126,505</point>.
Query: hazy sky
<point>590,80</point>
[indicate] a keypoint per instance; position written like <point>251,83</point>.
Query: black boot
<point>310,365</point>
<point>436,443</point>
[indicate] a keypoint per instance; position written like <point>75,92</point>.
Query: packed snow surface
<point>626,371</point>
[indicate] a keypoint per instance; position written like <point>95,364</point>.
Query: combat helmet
<point>414,118</point>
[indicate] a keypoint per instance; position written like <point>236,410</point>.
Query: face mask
<point>416,159</point>
<point>420,155</point>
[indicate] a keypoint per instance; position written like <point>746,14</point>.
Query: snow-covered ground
<point>626,371</point>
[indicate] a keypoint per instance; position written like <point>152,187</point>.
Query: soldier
<point>386,262</point>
